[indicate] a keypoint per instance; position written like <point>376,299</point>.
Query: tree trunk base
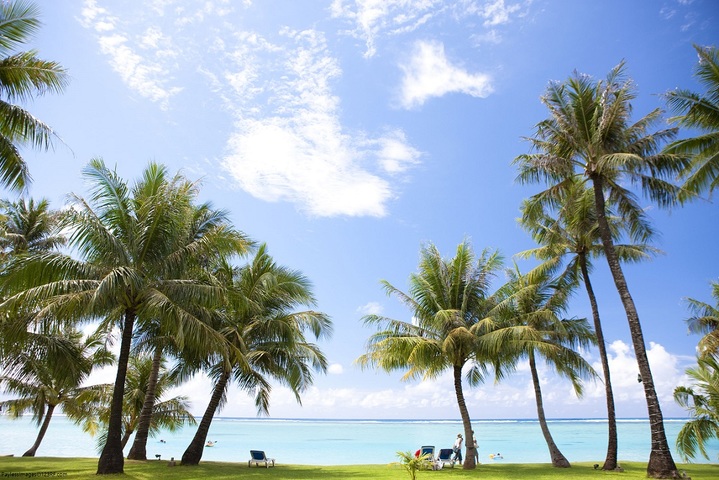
<point>110,463</point>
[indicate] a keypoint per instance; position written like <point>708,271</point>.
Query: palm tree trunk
<point>193,453</point>
<point>469,462</point>
<point>661,464</point>
<point>558,459</point>
<point>111,458</point>
<point>41,433</point>
<point>125,437</point>
<point>138,451</point>
<point>610,462</point>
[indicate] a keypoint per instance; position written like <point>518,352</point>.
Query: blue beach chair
<point>445,457</point>
<point>258,456</point>
<point>427,450</point>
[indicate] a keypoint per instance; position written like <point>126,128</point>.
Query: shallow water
<point>345,442</point>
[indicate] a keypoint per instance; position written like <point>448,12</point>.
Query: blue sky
<point>347,133</point>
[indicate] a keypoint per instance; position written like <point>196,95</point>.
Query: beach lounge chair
<point>445,457</point>
<point>427,449</point>
<point>258,456</point>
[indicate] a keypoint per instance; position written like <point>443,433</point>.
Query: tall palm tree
<point>47,372</point>
<point>205,220</point>
<point>702,401</point>
<point>265,338</point>
<point>699,112</point>
<point>22,76</point>
<point>449,301</point>
<point>535,306</point>
<point>135,265</point>
<point>705,321</point>
<point>588,136</point>
<point>568,241</point>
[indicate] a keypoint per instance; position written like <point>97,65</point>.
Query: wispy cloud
<point>288,142</point>
<point>371,308</point>
<point>373,20</point>
<point>429,73</point>
<point>137,59</point>
<point>296,149</point>
<point>497,12</point>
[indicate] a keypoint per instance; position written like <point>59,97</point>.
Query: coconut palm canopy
<point>347,134</point>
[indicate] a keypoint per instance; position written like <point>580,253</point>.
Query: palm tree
<point>700,112</point>
<point>568,241</point>
<point>22,77</point>
<point>449,301</point>
<point>135,265</point>
<point>29,227</point>
<point>589,137</point>
<point>170,414</point>
<point>702,401</point>
<point>534,307</point>
<point>265,338</point>
<point>705,321</point>
<point>47,372</point>
<point>205,220</point>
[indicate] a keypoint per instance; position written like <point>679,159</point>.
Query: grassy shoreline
<point>84,468</point>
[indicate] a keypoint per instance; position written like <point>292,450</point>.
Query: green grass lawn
<point>76,468</point>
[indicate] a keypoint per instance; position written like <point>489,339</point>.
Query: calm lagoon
<point>346,442</point>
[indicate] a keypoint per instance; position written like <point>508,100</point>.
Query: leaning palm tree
<point>705,321</point>
<point>699,112</point>
<point>449,301</point>
<point>168,414</point>
<point>589,137</point>
<point>22,76</point>
<point>569,240</point>
<point>135,264</point>
<point>534,308</point>
<point>48,372</point>
<point>702,401</point>
<point>265,338</point>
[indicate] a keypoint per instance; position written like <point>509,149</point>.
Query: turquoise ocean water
<point>345,442</point>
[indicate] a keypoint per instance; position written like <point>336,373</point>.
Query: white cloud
<point>373,18</point>
<point>371,308</point>
<point>335,369</point>
<point>298,151</point>
<point>288,142</point>
<point>497,13</point>
<point>429,73</point>
<point>146,75</point>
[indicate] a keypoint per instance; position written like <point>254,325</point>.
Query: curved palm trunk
<point>111,458</point>
<point>138,451</point>
<point>469,462</point>
<point>661,464</point>
<point>558,459</point>
<point>41,433</point>
<point>610,462</point>
<point>193,453</point>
